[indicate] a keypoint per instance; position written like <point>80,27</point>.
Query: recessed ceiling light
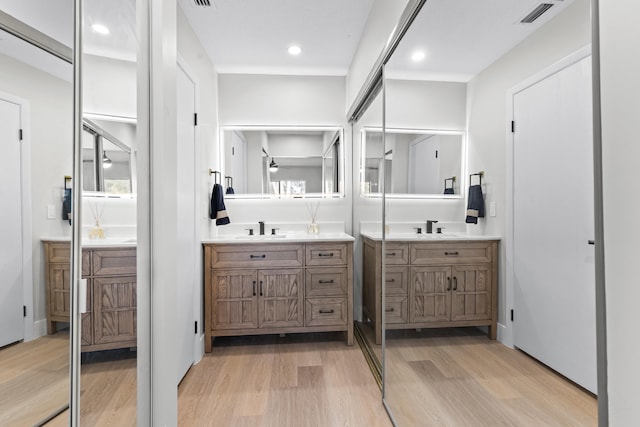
<point>100,29</point>
<point>417,56</point>
<point>295,50</point>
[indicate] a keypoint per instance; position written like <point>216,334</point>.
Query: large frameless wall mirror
<point>418,162</point>
<point>283,161</point>
<point>448,73</point>
<point>36,131</point>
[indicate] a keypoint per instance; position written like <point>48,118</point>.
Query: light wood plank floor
<point>34,380</point>
<point>457,377</point>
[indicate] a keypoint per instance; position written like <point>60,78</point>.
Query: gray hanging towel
<point>449,191</point>
<point>475,207</point>
<point>217,209</point>
<point>66,205</point>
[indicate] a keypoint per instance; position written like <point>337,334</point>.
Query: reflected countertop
<point>414,237</point>
<point>97,243</point>
<point>282,238</point>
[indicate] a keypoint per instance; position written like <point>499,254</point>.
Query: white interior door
<point>11,315</point>
<point>186,202</point>
<point>423,167</point>
<point>554,272</point>
<point>238,162</point>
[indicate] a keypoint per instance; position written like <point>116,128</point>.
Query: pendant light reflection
<point>273,166</point>
<point>106,162</point>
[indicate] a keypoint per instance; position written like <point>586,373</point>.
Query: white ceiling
<point>460,37</point>
<point>252,36</point>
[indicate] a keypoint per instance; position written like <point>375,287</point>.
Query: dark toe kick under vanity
<point>433,283</point>
<point>110,270</point>
<point>279,287</point>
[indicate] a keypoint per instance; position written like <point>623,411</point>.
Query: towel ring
<point>479,175</point>
<point>217,176</point>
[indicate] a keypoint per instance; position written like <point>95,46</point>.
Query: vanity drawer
<point>396,253</point>
<point>396,309</point>
<point>114,262</point>
<point>58,252</point>
<point>256,255</point>
<point>326,281</point>
<point>396,280</point>
<point>325,311</point>
<point>450,253</point>
<point>326,254</point>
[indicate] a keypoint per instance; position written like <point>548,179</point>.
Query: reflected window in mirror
<point>418,163</point>
<point>107,156</point>
<point>283,161</point>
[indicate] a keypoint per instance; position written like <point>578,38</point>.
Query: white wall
<point>383,18</point>
<point>51,138</point>
<point>620,68</point>
<point>284,100</point>
<point>488,119</point>
<point>109,86</point>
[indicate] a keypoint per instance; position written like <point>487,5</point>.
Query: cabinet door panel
<point>59,293</point>
<point>234,299</point>
<point>114,309</point>
<point>281,298</point>
<point>430,294</point>
<point>471,293</point>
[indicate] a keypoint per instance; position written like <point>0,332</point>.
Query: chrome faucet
<point>261,223</point>
<point>430,223</point>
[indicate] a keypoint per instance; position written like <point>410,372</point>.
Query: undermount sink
<point>265,237</point>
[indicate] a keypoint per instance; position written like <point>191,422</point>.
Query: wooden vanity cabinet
<point>436,284</point>
<point>253,289</point>
<point>110,321</point>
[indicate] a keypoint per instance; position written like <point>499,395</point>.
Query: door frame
<point>198,293</point>
<point>30,331</point>
<point>505,331</point>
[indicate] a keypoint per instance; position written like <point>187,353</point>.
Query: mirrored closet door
<point>36,133</point>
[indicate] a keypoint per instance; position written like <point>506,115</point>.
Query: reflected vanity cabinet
<point>434,284</point>
<point>253,289</point>
<point>110,320</point>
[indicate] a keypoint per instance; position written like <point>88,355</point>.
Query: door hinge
<point>195,119</point>
<point>513,126</point>
<point>24,311</point>
<point>512,315</point>
<point>196,329</point>
<point>20,134</point>
<point>436,154</point>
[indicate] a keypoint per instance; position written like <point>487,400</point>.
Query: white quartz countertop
<point>414,237</point>
<point>97,243</point>
<point>283,238</point>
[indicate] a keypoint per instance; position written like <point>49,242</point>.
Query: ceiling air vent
<point>534,14</point>
<point>202,2</point>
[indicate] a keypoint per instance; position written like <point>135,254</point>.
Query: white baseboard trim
<point>199,349</point>
<point>505,335</point>
<point>39,329</point>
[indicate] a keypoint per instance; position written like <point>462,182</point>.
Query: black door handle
<point>260,287</point>
<point>591,242</point>
<point>455,283</point>
<point>254,288</point>
<point>449,285</point>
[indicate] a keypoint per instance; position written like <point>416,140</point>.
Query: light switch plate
<point>492,208</point>
<point>51,211</point>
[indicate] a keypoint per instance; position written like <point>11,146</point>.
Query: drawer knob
<point>330,254</point>
<point>326,311</point>
<point>258,256</point>
<point>451,253</point>
<point>325,281</point>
